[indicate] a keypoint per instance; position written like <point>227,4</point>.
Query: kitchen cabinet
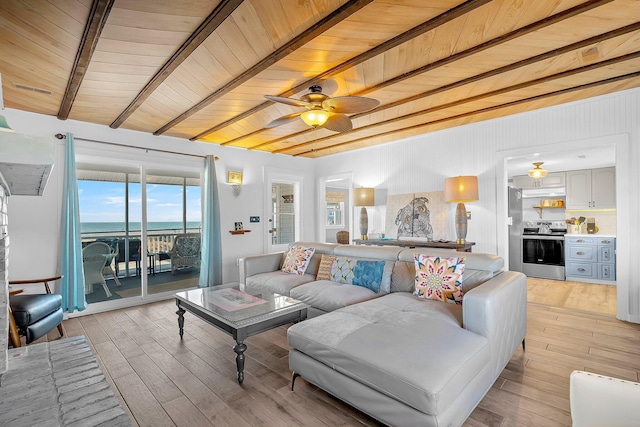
<point>552,180</point>
<point>591,189</point>
<point>590,259</point>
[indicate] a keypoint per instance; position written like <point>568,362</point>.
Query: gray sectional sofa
<point>403,360</point>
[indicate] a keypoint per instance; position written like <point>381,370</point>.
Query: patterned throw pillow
<point>439,278</point>
<point>324,269</point>
<point>368,274</point>
<point>342,270</point>
<point>297,259</point>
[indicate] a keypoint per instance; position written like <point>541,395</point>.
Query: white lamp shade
<point>461,189</point>
<point>363,196</point>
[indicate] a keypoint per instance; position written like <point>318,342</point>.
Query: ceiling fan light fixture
<point>537,171</point>
<point>315,118</point>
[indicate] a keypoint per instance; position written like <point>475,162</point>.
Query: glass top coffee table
<point>240,312</point>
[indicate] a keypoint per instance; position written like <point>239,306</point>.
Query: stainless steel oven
<point>543,250</point>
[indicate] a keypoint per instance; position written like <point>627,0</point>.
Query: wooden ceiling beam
<point>535,26</point>
<point>219,14</point>
<point>98,15</point>
<point>527,29</point>
<point>547,55</point>
<point>484,110</point>
<point>501,91</point>
<point>309,34</point>
<point>416,31</point>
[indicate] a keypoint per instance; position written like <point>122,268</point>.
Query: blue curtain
<point>211,266</point>
<point>72,283</point>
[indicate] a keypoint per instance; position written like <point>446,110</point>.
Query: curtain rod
<point>62,136</point>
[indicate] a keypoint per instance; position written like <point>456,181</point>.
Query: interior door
<point>282,211</point>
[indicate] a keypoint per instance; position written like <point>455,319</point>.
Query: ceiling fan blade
<point>284,120</point>
<point>338,123</point>
<point>350,104</point>
<point>289,101</point>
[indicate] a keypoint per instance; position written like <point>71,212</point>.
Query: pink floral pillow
<point>297,259</point>
<point>439,278</point>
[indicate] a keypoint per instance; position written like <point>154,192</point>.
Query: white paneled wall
<point>421,163</point>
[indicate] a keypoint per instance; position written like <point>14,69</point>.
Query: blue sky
<point>105,202</point>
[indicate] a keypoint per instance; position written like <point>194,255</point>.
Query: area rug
<point>58,383</point>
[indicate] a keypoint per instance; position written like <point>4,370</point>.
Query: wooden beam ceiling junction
<point>98,15</point>
<point>219,14</point>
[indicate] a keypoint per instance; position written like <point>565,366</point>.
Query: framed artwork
<point>416,215</point>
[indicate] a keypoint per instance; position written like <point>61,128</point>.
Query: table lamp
<point>363,196</point>
<point>461,189</point>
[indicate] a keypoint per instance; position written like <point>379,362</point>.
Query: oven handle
<point>539,237</point>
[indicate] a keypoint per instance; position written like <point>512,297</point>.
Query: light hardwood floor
<point>578,295</point>
<point>163,381</point>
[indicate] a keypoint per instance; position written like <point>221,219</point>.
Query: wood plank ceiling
<point>198,69</point>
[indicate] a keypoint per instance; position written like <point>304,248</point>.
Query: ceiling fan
<point>323,111</point>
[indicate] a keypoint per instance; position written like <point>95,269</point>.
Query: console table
<point>460,247</point>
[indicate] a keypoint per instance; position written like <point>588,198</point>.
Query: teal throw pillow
<point>368,274</point>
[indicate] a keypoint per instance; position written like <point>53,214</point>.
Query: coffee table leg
<point>180,314</point>
<point>240,348</point>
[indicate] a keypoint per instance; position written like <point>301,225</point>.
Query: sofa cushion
<point>343,271</point>
<point>296,259</point>
<point>404,273</point>
<point>277,281</point>
<point>328,295</point>
<point>439,278</point>
<point>385,343</point>
<point>324,269</point>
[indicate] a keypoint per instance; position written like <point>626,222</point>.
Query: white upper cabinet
<point>591,189</point>
<point>552,180</point>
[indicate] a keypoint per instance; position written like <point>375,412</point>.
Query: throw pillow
<point>368,274</point>
<point>342,270</point>
<point>297,259</point>
<point>324,269</point>
<point>439,278</point>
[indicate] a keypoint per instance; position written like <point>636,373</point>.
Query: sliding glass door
<point>140,220</point>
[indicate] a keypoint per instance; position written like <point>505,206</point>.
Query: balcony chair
<point>134,253</point>
<point>115,250</point>
<point>185,252</point>
<point>34,315</point>
<point>342,237</point>
<point>94,260</point>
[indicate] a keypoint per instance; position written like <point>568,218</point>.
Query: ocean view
<point>118,227</point>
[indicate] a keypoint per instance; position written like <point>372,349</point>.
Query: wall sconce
<point>235,180</point>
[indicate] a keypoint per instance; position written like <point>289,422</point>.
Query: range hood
<point>25,163</point>
<point>544,192</point>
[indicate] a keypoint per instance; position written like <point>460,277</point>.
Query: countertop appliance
<point>515,229</point>
<point>543,249</point>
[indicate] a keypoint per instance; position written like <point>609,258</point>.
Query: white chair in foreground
<point>598,400</point>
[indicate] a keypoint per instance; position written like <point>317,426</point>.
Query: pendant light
<point>537,171</point>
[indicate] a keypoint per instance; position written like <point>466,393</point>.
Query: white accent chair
<point>94,259</point>
<point>598,400</point>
